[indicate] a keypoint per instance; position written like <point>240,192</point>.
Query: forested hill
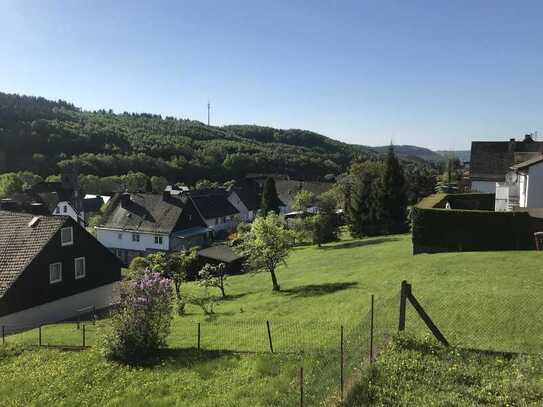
<point>48,137</point>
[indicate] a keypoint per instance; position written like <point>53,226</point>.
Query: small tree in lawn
<point>303,200</point>
<point>270,200</point>
<point>267,245</point>
<point>213,276</point>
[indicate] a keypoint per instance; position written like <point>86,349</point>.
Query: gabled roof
<point>212,203</point>
<point>491,160</point>
<point>528,163</point>
<point>20,243</point>
<point>145,212</point>
<point>287,190</point>
<point>249,193</point>
<point>221,252</point>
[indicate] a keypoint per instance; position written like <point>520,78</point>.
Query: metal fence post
<point>371,331</point>
<point>39,335</point>
<point>301,387</point>
<point>342,362</point>
<point>199,335</point>
<point>269,336</point>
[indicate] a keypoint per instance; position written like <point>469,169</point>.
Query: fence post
<point>342,362</point>
<point>403,298</point>
<point>269,336</point>
<point>3,334</point>
<point>371,332</point>
<point>39,335</point>
<point>199,334</point>
<point>83,335</point>
<point>301,387</point>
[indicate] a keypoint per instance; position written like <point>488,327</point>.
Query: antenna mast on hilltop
<point>208,110</point>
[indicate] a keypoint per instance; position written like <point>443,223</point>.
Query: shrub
<point>140,326</point>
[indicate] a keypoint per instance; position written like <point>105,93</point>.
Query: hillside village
<point>268,204</point>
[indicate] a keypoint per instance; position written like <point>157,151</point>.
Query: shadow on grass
<point>187,358</point>
<point>313,290</point>
<point>360,243</point>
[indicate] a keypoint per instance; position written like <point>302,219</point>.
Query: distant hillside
<point>49,137</point>
<point>407,151</point>
<point>462,155</point>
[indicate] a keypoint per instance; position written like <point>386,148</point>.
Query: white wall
<point>70,211</point>
<point>110,239</point>
<point>63,309</point>
<point>534,188</point>
<point>483,186</point>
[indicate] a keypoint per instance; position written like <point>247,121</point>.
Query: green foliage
<point>394,199</point>
<point>10,183</point>
<point>303,200</point>
<point>420,373</point>
<point>213,276</point>
<point>366,209</point>
<point>267,245</point>
<point>270,199</point>
<point>142,322</point>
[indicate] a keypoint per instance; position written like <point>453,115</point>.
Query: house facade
<point>523,186</point>
<point>215,209</point>
<point>491,160</point>
<point>137,224</point>
<point>51,268</point>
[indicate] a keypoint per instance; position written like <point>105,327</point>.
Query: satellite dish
<point>511,177</point>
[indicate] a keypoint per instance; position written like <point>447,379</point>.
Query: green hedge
<point>437,230</point>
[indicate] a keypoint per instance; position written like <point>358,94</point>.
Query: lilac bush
<point>142,323</point>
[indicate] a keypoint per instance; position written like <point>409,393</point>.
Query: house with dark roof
<point>491,160</point>
<point>523,186</point>
<point>288,189</point>
<point>245,196</point>
<point>51,269</point>
<point>215,207</point>
<point>135,224</point>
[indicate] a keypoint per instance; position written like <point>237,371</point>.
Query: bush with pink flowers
<point>142,323</point>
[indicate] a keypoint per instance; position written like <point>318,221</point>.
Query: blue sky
<point>431,73</point>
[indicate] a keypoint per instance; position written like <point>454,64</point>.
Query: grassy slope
<point>419,373</point>
<point>482,300</point>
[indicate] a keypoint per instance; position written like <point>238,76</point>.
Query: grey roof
<point>287,190</point>
<point>491,160</point>
<point>221,252</point>
<point>212,203</point>
<point>20,243</point>
<point>528,163</point>
<point>145,213</point>
<point>248,192</point>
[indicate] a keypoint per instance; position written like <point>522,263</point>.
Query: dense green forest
<point>51,137</point>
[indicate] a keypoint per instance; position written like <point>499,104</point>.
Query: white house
<point>523,187</point>
<point>137,224</point>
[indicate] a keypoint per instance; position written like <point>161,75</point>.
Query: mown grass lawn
<point>488,300</point>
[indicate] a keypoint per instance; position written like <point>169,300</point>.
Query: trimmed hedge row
<point>438,230</point>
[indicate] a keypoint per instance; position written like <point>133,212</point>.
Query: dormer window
<point>67,236</point>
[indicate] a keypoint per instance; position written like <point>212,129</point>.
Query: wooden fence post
<point>199,335</point>
<point>403,297</point>
<point>269,336</point>
<point>3,334</point>
<point>83,331</point>
<point>39,335</point>
<point>301,387</point>
<point>424,316</point>
<point>342,362</point>
<point>371,332</point>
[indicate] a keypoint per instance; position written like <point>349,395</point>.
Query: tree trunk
<point>177,291</point>
<point>274,281</point>
<point>222,287</point>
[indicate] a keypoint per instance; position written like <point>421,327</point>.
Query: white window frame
<point>71,241</point>
<point>77,277</point>
<point>135,237</point>
<point>58,280</point>
<point>158,239</point>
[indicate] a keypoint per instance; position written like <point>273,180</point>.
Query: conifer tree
<point>394,197</point>
<point>270,200</point>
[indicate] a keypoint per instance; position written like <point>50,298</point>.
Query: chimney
<point>165,195</point>
<point>511,145</point>
<point>125,200</point>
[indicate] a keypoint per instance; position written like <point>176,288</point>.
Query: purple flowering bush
<point>142,323</point>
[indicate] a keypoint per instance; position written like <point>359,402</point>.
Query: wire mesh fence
<point>63,334</point>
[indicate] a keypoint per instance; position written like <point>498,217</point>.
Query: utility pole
<point>208,110</point>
